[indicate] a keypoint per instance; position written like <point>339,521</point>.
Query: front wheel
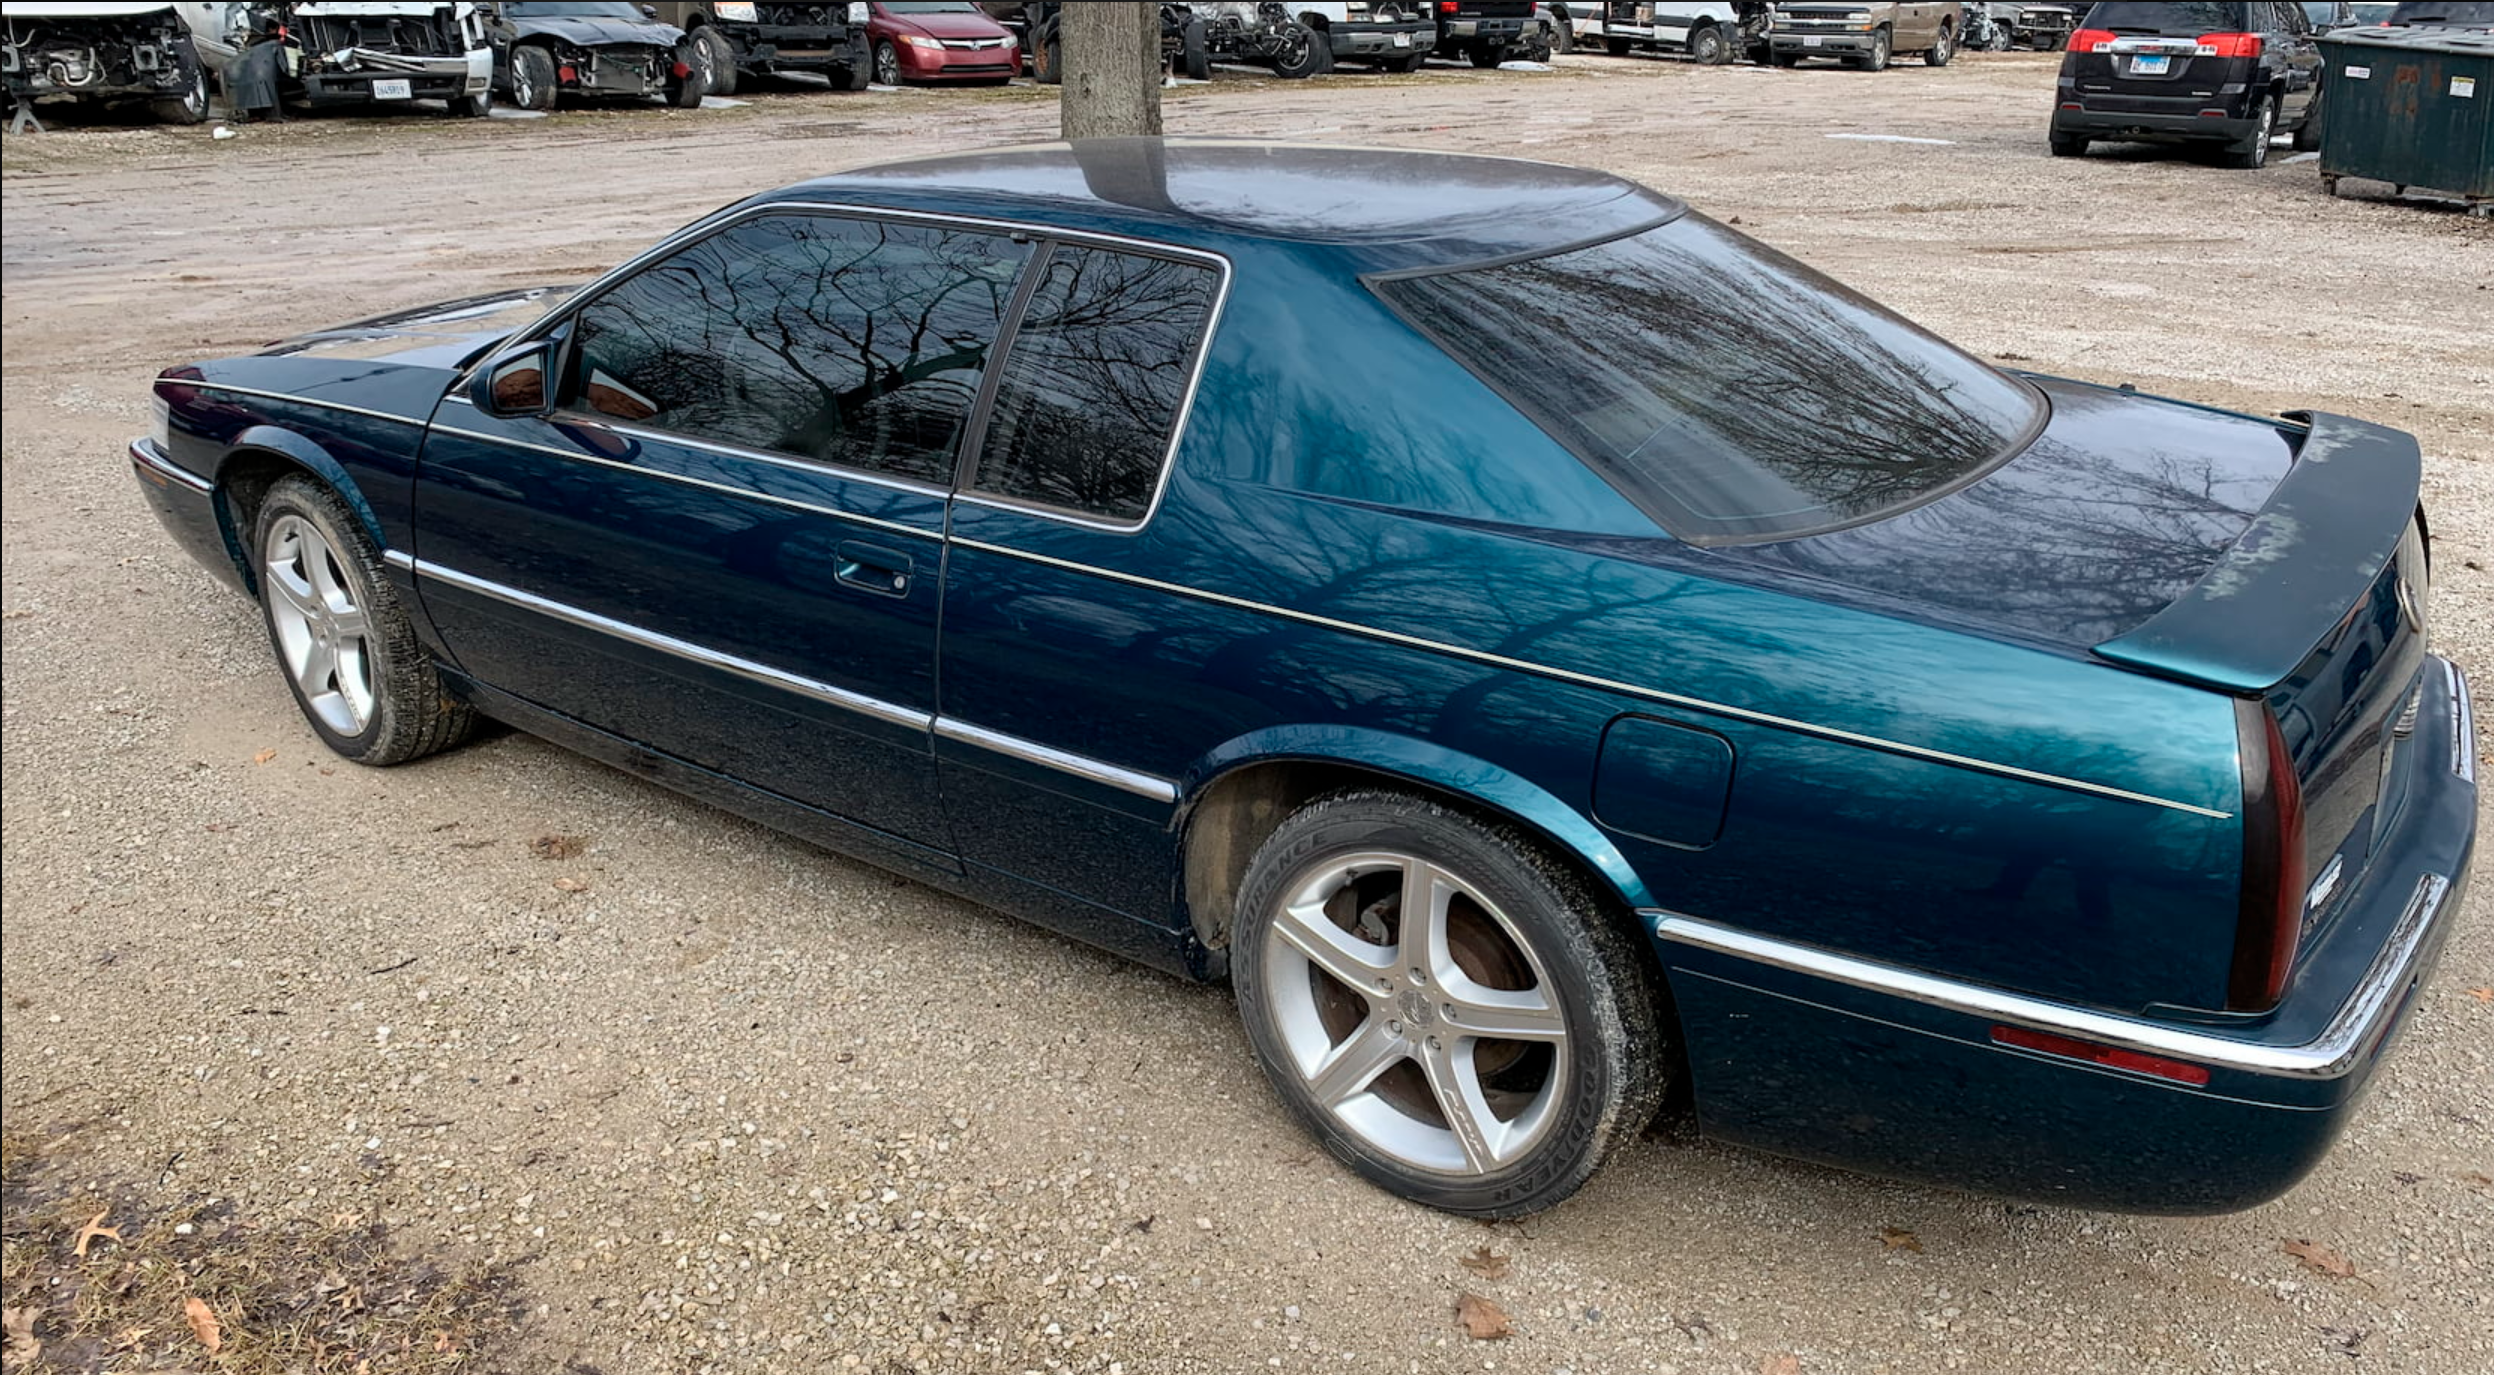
<point>191,106</point>
<point>722,59</point>
<point>533,84</point>
<point>1943,47</point>
<point>1708,47</point>
<point>887,63</point>
<point>348,651</point>
<point>1195,51</point>
<point>1452,1013</point>
<point>1876,60</point>
<point>475,106</point>
<point>2308,133</point>
<point>1304,53</point>
<point>685,92</point>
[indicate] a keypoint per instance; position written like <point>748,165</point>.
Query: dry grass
<point>191,1287</point>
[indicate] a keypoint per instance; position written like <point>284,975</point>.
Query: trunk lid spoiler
<point>2313,552</point>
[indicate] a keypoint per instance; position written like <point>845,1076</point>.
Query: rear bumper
<point>1467,32</point>
<point>2153,119</point>
<point>185,504</point>
<point>1877,1067</point>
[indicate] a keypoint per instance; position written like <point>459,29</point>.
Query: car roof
<point>1380,209</point>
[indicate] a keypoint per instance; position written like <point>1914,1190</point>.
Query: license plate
<point>2156,65</point>
<point>1810,40</point>
<point>1402,40</point>
<point>393,90</point>
<point>739,10</point>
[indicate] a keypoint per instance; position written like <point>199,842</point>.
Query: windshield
<point>593,9</point>
<point>2470,12</point>
<point>2170,16</point>
<point>1729,391</point>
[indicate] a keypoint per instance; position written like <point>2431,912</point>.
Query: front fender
<point>297,449</point>
<point>1401,756</point>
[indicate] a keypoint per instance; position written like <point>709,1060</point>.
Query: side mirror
<point>650,10</point>
<point>515,383</point>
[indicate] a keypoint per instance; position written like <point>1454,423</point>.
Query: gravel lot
<point>742,1105</point>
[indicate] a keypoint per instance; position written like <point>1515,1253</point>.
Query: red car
<point>940,40</point>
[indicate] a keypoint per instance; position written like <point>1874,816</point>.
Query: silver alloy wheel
<point>324,638</point>
<point>887,64</point>
<point>523,92</point>
<point>1416,1001</point>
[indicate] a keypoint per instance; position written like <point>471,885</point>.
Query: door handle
<point>873,568</point>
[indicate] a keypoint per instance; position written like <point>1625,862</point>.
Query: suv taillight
<point>2270,920</point>
<point>2230,44</point>
<point>2088,40</point>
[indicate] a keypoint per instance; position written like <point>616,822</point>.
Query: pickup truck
<point>745,38</point>
<point>356,52</point>
<point>1864,36</point>
<point>1712,31</point>
<point>1488,32</point>
<point>104,54</point>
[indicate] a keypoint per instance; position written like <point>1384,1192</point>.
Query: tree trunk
<point>1110,53</point>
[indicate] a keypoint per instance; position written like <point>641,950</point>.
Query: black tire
<point>1784,59</point>
<point>1708,45</point>
<point>412,715</point>
<point>685,92</point>
<point>191,106</point>
<point>2001,40</point>
<point>1195,51</point>
<point>533,82</point>
<point>1563,36</point>
<point>2069,146</point>
<point>887,62</point>
<point>1487,55</point>
<point>2308,133</point>
<point>1606,993</point>
<point>1876,60</point>
<point>2251,153</point>
<point>1618,47</point>
<point>1047,59</point>
<point>854,76</point>
<point>475,106</point>
<point>1304,60</point>
<point>1409,65</point>
<point>1942,48</point>
<point>722,59</point>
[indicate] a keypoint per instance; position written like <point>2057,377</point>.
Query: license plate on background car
<point>2156,65</point>
<point>1810,40</point>
<point>393,90</point>
<point>1402,40</point>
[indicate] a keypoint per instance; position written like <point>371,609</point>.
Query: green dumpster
<point>2412,107</point>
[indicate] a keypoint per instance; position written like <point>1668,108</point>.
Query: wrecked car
<point>106,53</point>
<point>748,38</point>
<point>1185,47</point>
<point>356,52</point>
<point>1714,32</point>
<point>2044,28</point>
<point>545,49</point>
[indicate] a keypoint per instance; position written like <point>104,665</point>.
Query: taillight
<point>2271,917</point>
<point>2088,40</point>
<point>1448,6</point>
<point>2230,45</point>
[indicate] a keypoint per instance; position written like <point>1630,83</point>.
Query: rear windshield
<point>1732,393</point>
<point>2171,16</point>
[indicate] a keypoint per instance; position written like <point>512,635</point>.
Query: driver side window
<point>849,341</point>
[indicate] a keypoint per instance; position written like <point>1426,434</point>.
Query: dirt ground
<point>742,1105</point>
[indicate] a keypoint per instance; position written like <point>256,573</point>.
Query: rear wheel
<point>1943,47</point>
<point>722,59</point>
<point>2308,133</point>
<point>2252,152</point>
<point>1709,48</point>
<point>1195,51</point>
<point>532,79</point>
<point>347,649</point>
<point>2068,146</point>
<point>1563,35</point>
<point>1616,47</point>
<point>1451,1012</point>
<point>1047,59</point>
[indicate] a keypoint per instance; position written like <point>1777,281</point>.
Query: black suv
<point>2224,72</point>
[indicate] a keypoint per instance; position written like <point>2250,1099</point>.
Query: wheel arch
<point>1239,794</point>
<point>258,459</point>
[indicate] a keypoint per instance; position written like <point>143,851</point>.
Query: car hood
<point>2116,509</point>
<point>592,31</point>
<point>90,9</point>
<point>954,24</point>
<point>445,335</point>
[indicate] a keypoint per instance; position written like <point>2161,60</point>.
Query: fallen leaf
<point>1898,1239</point>
<point>204,1326</point>
<point>442,1342</point>
<point>2319,1258</point>
<point>23,1345</point>
<point>557,847</point>
<point>572,885</point>
<point>2483,995</point>
<point>95,1228</point>
<point>1486,1263</point>
<point>264,756</point>
<point>1482,1320</point>
<point>1786,1364</point>
<point>2479,1178</point>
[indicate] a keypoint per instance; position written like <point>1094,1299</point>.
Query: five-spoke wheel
<point>1456,1015</point>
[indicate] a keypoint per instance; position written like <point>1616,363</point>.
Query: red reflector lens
<point>2114,1057</point>
<point>683,70</point>
<point>2072,105</point>
<point>2088,40</point>
<point>2231,44</point>
<point>567,73</point>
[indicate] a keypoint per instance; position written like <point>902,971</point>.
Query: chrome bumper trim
<point>151,462</point>
<point>2328,1056</point>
